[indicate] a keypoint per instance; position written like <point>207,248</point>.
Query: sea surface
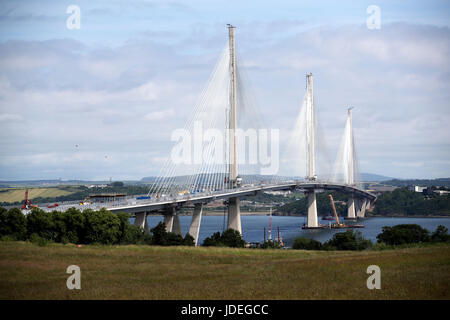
<point>290,227</point>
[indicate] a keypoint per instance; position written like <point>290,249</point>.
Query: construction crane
<point>334,211</point>
<point>27,203</point>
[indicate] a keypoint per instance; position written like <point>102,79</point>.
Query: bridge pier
<point>141,221</point>
<point>176,225</point>
<point>194,229</point>
<point>369,203</point>
<point>234,214</point>
<point>361,208</point>
<point>312,209</point>
<point>351,208</point>
<point>169,216</point>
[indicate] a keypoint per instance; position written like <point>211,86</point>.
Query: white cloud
<point>159,115</point>
<point>7,117</point>
<point>128,99</point>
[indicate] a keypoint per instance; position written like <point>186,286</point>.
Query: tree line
<point>82,227</point>
<point>402,234</point>
<point>402,201</point>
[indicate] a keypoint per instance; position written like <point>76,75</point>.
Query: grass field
<point>13,194</point>
<point>28,271</point>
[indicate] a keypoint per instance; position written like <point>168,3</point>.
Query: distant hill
<point>440,182</point>
<point>369,177</point>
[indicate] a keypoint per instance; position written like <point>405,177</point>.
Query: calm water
<point>290,227</point>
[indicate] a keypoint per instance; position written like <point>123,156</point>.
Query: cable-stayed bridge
<point>224,149</point>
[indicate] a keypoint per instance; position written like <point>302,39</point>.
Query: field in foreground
<point>28,271</point>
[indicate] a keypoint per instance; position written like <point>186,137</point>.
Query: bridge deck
<point>148,205</point>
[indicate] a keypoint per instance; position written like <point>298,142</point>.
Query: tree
<point>306,244</point>
<point>213,241</point>
<point>270,245</point>
<point>124,226</point>
<point>348,240</point>
<point>75,222</point>
<point>229,238</point>
<point>159,234</point>
<point>13,223</point>
<point>101,226</point>
<point>41,223</point>
<point>189,240</point>
<point>163,238</point>
<point>134,235</point>
<point>59,233</point>
<point>232,238</point>
<point>440,234</point>
<point>403,234</point>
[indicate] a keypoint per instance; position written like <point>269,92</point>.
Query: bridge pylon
<point>310,133</point>
<point>234,211</point>
<point>351,212</point>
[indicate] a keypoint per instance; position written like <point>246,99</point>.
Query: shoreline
<point>265,213</point>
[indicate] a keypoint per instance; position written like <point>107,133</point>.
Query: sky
<point>101,101</point>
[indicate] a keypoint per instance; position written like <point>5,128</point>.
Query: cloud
<point>159,115</point>
<point>7,117</point>
<point>124,101</point>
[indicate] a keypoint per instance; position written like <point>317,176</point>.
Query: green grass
<point>28,271</point>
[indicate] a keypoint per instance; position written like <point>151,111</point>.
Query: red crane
<point>26,203</point>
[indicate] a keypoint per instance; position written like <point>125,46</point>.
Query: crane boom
<point>334,209</point>
<point>26,202</point>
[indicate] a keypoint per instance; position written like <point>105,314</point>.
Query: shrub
<point>75,222</point>
<point>101,227</point>
<point>270,245</point>
<point>348,240</point>
<point>403,234</point>
<point>306,244</point>
<point>229,238</point>
<point>41,223</point>
<point>163,238</point>
<point>440,234</point>
<point>213,241</point>
<point>13,223</point>
<point>40,241</point>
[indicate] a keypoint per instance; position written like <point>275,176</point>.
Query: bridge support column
<point>312,209</point>
<point>194,229</point>
<point>351,208</point>
<point>368,204</point>
<point>176,225</point>
<point>141,221</point>
<point>234,214</point>
<point>361,208</point>
<point>169,219</point>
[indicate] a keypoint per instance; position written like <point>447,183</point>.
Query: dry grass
<point>13,195</point>
<point>146,272</point>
